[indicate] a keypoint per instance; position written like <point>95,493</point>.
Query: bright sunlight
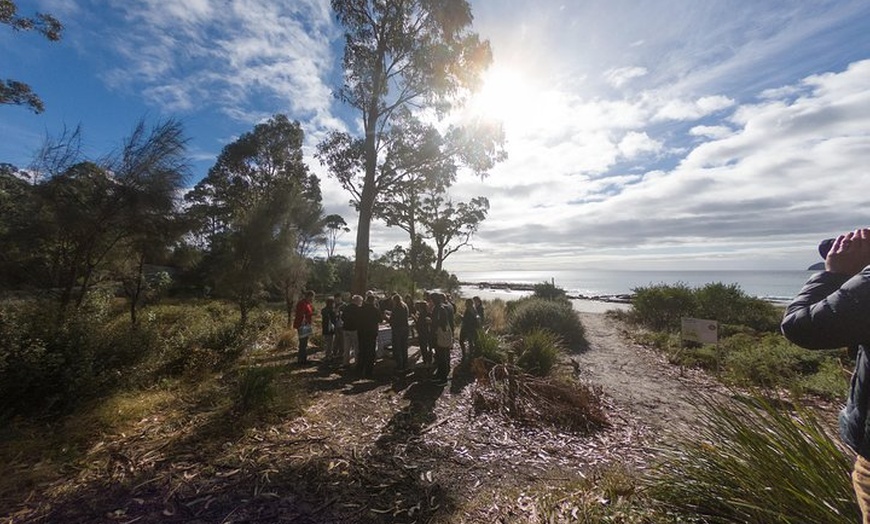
<point>514,98</point>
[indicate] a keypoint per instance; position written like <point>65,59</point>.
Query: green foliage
<point>49,362</point>
<point>538,351</point>
<point>661,307</point>
<point>490,347</point>
<point>555,316</point>
<point>548,291</point>
<point>256,388</point>
<point>770,361</point>
<point>830,381</point>
<point>754,461</point>
<point>12,91</point>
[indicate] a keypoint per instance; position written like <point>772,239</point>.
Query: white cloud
<point>693,110</point>
<point>634,144</point>
<point>622,75</point>
<point>240,57</point>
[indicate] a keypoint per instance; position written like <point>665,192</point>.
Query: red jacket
<point>304,313</point>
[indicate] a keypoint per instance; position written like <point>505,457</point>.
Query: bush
<point>830,381</point>
<point>489,347</point>
<point>538,351</point>
<point>770,361</point>
<point>752,461</point>
<point>555,316</point>
<point>661,307</point>
<point>548,291</point>
<point>256,389</point>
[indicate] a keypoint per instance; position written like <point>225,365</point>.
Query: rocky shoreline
<point>515,286</point>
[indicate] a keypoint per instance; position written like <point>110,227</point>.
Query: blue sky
<point>641,134</point>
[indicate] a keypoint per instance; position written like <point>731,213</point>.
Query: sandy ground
<point>639,379</point>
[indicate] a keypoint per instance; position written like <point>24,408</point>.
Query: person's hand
<point>850,253</point>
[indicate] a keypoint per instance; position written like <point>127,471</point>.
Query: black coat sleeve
<point>831,311</point>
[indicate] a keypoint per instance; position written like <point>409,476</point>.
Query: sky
<point>641,134</point>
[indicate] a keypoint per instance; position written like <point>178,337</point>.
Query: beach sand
<point>584,306</point>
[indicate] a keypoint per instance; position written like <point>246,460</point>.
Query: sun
<point>506,95</point>
<point>512,96</point>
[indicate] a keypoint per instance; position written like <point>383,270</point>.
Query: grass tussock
<point>753,461</point>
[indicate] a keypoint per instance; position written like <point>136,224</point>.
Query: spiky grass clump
<point>753,461</point>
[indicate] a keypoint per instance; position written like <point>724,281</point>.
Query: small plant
<point>661,307</point>
<point>753,461</point>
<point>490,347</point>
<point>256,388</point>
<point>538,351</point>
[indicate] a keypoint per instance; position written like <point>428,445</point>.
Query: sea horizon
<point>778,286</point>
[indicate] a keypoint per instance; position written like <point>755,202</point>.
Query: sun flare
<point>513,97</point>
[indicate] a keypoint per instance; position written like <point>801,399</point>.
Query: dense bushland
<point>55,362</point>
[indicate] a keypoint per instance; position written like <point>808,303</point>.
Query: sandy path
<point>639,379</point>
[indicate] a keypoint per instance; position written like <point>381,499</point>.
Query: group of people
<point>350,330</point>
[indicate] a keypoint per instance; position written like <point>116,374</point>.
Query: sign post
<point>702,331</point>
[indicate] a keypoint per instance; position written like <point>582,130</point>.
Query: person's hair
<point>337,296</point>
<point>370,299</point>
<point>476,299</point>
<point>330,301</point>
<point>309,294</point>
<point>469,303</point>
<point>397,299</point>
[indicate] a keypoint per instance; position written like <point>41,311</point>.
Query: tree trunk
<point>366,209</point>
<point>136,295</point>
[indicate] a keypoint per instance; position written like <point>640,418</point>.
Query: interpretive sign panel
<point>700,330</point>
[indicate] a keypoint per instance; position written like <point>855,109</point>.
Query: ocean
<point>775,286</point>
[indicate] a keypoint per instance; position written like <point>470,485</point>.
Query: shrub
<point>728,304</point>
<point>751,461</point>
<point>769,361</point>
<point>490,347</point>
<point>538,351</point>
<point>548,291</point>
<point>556,316</point>
<point>830,381</point>
<point>661,307</point>
<point>256,388</point>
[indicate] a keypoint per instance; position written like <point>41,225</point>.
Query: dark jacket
<point>399,319</point>
<point>833,311</point>
<point>330,317</point>
<point>350,317</point>
<point>369,320</point>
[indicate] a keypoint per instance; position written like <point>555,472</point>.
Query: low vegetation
<point>754,460</point>
<point>751,352</point>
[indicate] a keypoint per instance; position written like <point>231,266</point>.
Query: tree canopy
<point>405,65</point>
<point>12,91</point>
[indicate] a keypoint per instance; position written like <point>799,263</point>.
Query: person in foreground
<point>832,311</point>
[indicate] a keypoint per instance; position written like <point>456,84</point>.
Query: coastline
<point>513,291</point>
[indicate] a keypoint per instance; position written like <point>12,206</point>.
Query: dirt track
<point>638,379</point>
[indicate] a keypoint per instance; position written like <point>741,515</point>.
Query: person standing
<point>443,326</point>
<point>468,330</point>
<point>327,326</point>
<point>367,330</point>
<point>401,330</point>
<point>832,311</point>
<point>478,306</point>
<point>423,325</point>
<point>338,342</point>
<point>302,323</point>
<point>350,317</point>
